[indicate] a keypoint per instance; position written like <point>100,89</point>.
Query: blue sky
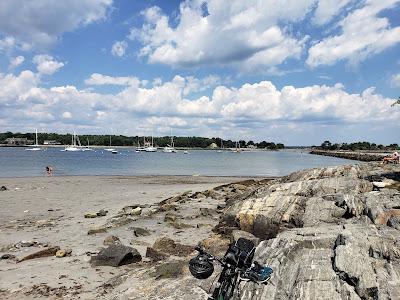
<point>297,72</point>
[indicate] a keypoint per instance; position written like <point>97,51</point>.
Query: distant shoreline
<point>135,147</point>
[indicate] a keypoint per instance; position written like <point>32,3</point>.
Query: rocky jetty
<point>329,233</point>
<point>354,155</point>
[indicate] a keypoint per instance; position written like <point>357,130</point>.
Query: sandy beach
<point>40,212</point>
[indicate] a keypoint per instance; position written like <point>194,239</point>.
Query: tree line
<point>327,145</point>
<point>121,140</point>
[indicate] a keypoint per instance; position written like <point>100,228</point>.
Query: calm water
<point>16,162</point>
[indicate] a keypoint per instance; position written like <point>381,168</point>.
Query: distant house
<point>213,146</point>
<point>251,146</point>
<point>51,142</point>
<point>18,142</point>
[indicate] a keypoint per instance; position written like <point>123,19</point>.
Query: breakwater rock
<point>328,233</point>
<point>361,156</point>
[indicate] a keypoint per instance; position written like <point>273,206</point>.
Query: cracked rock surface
<point>328,233</point>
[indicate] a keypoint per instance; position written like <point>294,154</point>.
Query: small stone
<point>180,225</point>
<point>91,215</point>
<point>169,218</point>
<point>137,231</point>
<point>45,223</point>
<point>111,239</point>
<point>7,256</point>
<point>131,210</point>
<point>3,188</point>
<point>102,213</point>
<point>27,243</point>
<point>61,253</point>
<point>137,211</point>
<point>95,230</point>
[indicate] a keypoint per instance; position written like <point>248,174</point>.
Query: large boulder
<point>116,255</point>
<point>330,262</point>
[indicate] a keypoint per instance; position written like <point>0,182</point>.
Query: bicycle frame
<point>226,283</point>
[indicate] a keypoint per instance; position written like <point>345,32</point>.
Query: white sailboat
<point>87,148</point>
<point>237,148</point>
<point>222,147</point>
<point>139,148</point>
<point>150,147</point>
<point>112,150</point>
<point>75,144</point>
<point>170,148</point>
<point>36,147</point>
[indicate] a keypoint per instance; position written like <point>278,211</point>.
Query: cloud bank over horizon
<point>143,108</point>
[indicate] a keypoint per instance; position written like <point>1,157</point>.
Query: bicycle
<point>237,265</point>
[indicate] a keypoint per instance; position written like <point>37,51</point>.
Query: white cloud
<point>46,64</point>
<point>119,48</point>
<point>16,61</point>
<point>67,115</point>
<point>7,43</point>
<point>363,33</point>
<point>39,23</point>
<point>327,9</point>
<point>99,79</point>
<point>243,33</point>
<point>250,109</point>
<point>395,80</point>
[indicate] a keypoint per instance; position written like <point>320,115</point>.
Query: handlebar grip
<point>256,264</point>
<point>199,249</point>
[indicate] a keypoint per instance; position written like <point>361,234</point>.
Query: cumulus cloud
<point>363,33</point>
<point>39,23</point>
<point>244,33</point>
<point>119,48</point>
<point>16,61</point>
<point>7,43</point>
<point>249,108</point>
<point>395,80</point>
<point>327,9</point>
<point>46,64</point>
<point>99,79</point>
<point>67,115</point>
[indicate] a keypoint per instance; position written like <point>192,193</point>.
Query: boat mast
<point>36,140</point>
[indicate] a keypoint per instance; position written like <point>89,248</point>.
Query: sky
<point>292,71</point>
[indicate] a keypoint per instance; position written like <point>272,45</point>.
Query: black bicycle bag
<point>240,253</point>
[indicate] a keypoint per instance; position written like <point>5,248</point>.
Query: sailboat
<point>150,148</point>
<point>237,148</point>
<point>36,146</point>
<point>112,150</point>
<point>75,144</point>
<point>222,147</point>
<point>170,148</point>
<point>87,148</point>
<point>139,148</point>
